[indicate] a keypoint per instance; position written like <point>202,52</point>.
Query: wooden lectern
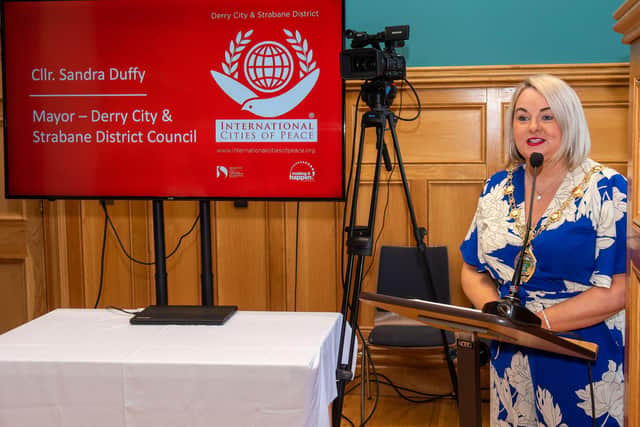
<point>470,324</point>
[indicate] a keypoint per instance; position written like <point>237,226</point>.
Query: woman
<point>575,261</point>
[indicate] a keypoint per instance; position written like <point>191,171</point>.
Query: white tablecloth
<point>91,368</point>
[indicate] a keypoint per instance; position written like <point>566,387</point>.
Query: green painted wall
<point>496,32</point>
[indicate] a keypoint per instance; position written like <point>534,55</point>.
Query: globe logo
<point>268,66</point>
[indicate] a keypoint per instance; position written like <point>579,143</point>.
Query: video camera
<point>363,63</point>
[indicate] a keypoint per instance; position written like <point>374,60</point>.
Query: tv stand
<point>205,253</point>
<point>160,253</point>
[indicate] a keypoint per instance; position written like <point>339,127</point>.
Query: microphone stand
<point>510,306</point>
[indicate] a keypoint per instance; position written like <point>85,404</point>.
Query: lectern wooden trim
<point>469,324</point>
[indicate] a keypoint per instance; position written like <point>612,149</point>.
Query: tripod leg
<point>359,243</point>
<point>343,374</point>
<point>344,371</point>
<point>363,384</point>
<point>336,410</point>
<point>452,370</point>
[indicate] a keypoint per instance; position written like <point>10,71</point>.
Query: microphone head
<point>536,159</point>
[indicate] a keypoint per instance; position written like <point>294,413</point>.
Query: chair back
<point>402,273</point>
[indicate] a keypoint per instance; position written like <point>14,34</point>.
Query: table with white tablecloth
<point>92,368</point>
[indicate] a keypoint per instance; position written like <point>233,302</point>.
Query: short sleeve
<point>469,246</point>
<point>611,230</point>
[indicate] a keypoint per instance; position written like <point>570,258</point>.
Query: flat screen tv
<point>164,99</point>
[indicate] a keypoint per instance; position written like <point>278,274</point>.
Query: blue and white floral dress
<point>579,242</point>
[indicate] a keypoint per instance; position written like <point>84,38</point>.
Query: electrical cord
<point>102,252</point>
<point>349,421</point>
<point>117,235</point>
<point>417,101</point>
<point>401,390</point>
<point>378,379</point>
<point>355,385</point>
<point>384,221</point>
<point>295,280</point>
<point>107,221</point>
<point>401,95</point>
<point>113,307</point>
<point>366,353</point>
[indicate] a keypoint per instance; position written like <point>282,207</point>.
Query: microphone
<point>535,160</point>
<point>510,306</point>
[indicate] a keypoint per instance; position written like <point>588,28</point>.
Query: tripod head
<point>379,94</point>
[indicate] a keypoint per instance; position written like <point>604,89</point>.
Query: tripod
<point>378,94</point>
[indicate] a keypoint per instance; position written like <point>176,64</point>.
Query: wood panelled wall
<point>628,24</point>
<point>22,281</point>
<point>632,365</point>
<point>285,255</point>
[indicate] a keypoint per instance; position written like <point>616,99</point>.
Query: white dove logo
<point>221,171</point>
<point>268,66</point>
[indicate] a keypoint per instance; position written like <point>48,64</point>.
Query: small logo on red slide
<point>222,172</point>
<point>302,172</point>
<point>269,68</point>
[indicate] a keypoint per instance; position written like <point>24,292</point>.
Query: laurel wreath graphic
<point>231,56</point>
<point>237,45</point>
<point>304,54</point>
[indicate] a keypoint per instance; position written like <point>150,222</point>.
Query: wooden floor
<point>395,411</point>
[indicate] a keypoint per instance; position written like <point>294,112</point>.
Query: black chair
<point>404,273</point>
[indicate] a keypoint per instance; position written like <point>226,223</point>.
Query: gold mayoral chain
<point>529,261</point>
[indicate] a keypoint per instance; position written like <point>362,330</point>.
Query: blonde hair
<point>567,109</point>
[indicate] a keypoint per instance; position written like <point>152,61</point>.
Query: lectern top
<point>463,319</point>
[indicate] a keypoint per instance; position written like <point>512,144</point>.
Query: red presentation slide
<point>173,99</point>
